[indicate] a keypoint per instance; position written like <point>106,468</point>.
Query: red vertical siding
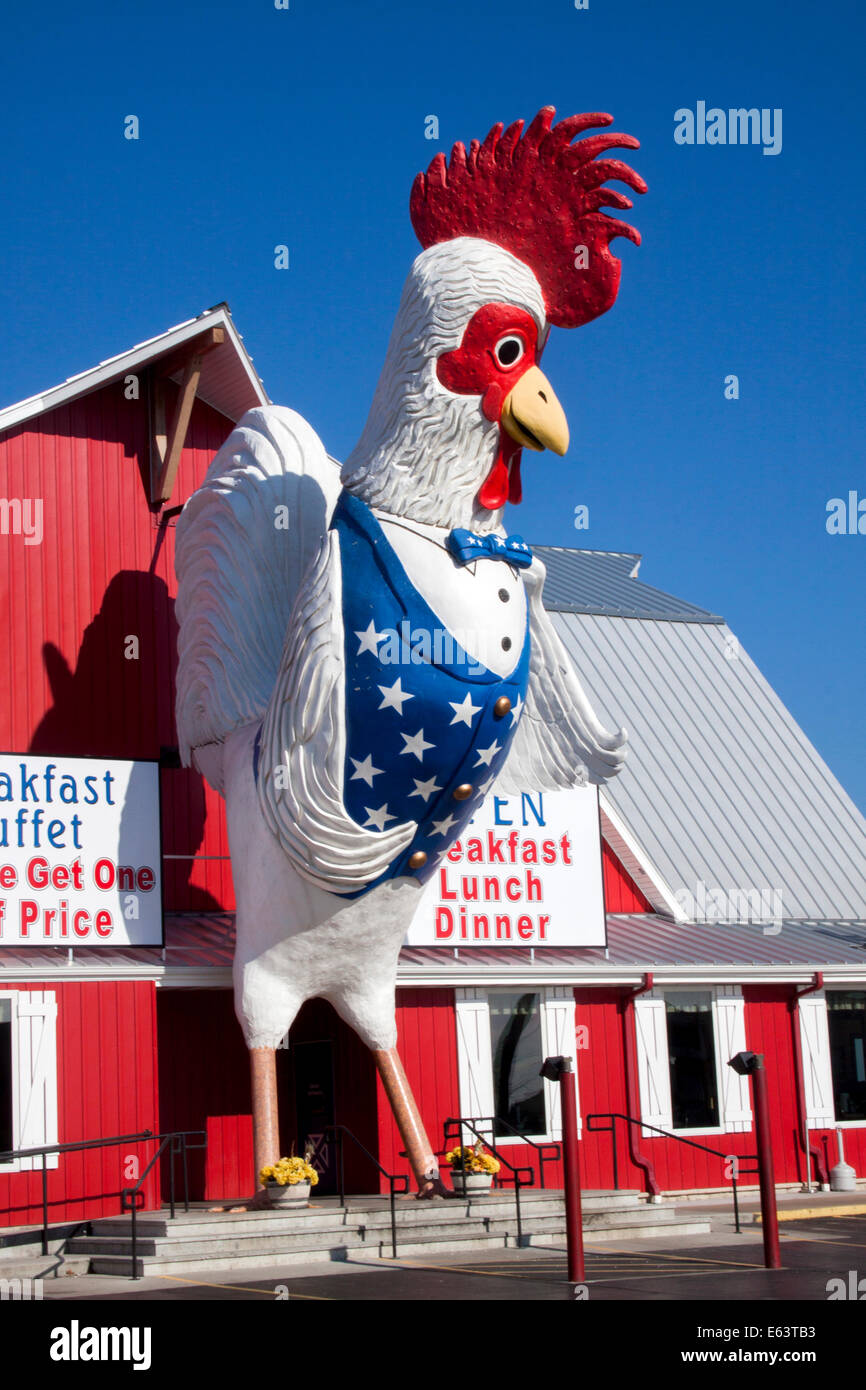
<point>106,1085</point>
<point>601,1085</point>
<point>621,893</point>
<point>427,1041</point>
<point>769,1030</point>
<point>601,1073</point>
<point>204,1084</point>
<point>197,1026</point>
<point>105,572</point>
<point>355,1080</point>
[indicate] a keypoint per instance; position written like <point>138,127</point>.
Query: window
<point>5,1075</point>
<point>684,1039</point>
<point>503,1037</point>
<point>517,1054</point>
<point>692,1060</point>
<point>846,1019</point>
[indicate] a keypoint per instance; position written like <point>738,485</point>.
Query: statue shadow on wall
<point>118,702</point>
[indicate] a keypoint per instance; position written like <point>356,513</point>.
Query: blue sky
<point>306,126</point>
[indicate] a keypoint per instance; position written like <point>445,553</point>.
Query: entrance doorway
<point>326,1076</point>
<point>313,1068</point>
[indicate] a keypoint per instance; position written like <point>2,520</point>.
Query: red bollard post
<point>769,1216</point>
<point>573,1212</point>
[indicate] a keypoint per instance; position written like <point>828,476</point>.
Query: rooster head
<point>514,241</point>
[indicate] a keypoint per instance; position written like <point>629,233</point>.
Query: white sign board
<point>526,872</point>
<point>79,852</point>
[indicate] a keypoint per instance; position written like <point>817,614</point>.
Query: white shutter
<point>653,1067</point>
<point>559,1041</point>
<point>729,1017</point>
<point>35,1075</point>
<point>474,1057</point>
<point>817,1073</point>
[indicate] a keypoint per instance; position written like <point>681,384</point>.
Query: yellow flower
<point>289,1171</point>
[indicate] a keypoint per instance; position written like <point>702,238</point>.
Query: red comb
<point>539,197</point>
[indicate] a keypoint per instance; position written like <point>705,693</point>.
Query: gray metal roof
<point>721,787</point>
<point>199,948</point>
<point>605,581</point>
<point>646,941</point>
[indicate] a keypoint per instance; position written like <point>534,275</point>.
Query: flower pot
<point>289,1197</point>
<point>470,1183</point>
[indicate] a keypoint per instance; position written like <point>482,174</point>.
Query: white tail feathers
<point>244,542</point>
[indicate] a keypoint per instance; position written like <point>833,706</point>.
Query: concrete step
<point>38,1266</point>
<point>15,1240</point>
<point>442,1232</point>
<point>501,1201</point>
<point>21,1254</point>
<point>289,1238</point>
<point>204,1239</point>
<point>645,1214</point>
<point>300,1242</point>
<point>417,1246</point>
<point>263,1223</point>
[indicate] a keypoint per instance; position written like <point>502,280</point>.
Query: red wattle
<point>502,483</point>
<point>494,489</point>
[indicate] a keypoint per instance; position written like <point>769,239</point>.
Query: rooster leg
<point>409,1122</point>
<point>266,1125</point>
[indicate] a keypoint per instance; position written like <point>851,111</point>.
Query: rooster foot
<point>432,1187</point>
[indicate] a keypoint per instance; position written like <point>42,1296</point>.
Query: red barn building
<point>734,865</point>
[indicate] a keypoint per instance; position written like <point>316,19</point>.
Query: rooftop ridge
<point>606,583</point>
<point>112,367</point>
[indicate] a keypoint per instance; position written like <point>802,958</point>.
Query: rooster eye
<point>509,350</point>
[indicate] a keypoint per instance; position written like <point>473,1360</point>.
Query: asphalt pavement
<point>723,1267</point>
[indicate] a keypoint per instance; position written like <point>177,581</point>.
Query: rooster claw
<point>432,1187</point>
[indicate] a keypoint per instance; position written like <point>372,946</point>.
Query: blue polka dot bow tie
<point>466,546</point>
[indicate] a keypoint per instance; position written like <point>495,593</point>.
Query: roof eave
<point>143,353</point>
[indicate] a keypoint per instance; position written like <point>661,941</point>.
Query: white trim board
<point>114,367</point>
<point>34,1076</point>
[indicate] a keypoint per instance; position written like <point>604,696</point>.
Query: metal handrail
<point>338,1131</point>
<point>546,1149</point>
<point>614,1115</point>
<point>516,1171</point>
<point>178,1139</point>
<point>11,1154</point>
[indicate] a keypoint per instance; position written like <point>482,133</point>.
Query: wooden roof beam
<point>200,346</point>
<point>167,445</point>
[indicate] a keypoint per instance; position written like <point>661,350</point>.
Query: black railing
<point>177,1143</point>
<point>75,1147</point>
<point>734,1159</point>
<point>338,1132</point>
<point>546,1150</point>
<point>453,1129</point>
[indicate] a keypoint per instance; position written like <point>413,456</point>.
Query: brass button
<point>502,707</point>
<point>418,859</point>
<point>463,791</point>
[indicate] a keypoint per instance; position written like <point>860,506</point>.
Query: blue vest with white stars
<point>420,718</point>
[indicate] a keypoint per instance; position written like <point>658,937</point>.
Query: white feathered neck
<point>425,451</point>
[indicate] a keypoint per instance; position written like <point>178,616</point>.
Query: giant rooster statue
<point>350,762</point>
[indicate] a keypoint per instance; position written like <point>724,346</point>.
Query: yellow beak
<point>533,416</point>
